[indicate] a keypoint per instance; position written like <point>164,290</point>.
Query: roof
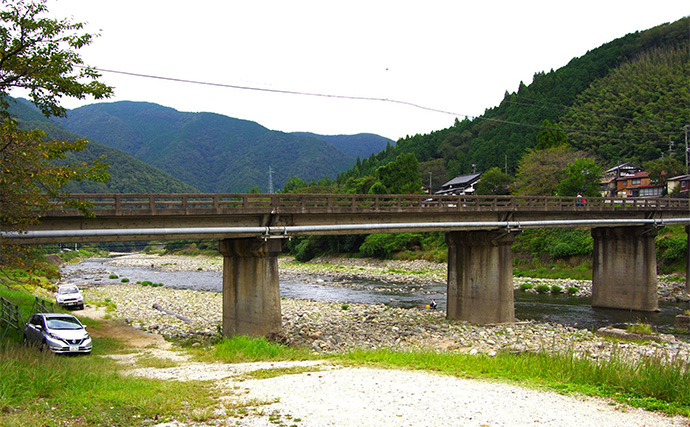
<point>679,178</point>
<point>623,166</point>
<point>463,179</point>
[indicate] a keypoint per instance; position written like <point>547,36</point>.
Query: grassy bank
<point>42,389</point>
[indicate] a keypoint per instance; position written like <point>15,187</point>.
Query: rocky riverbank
<point>332,327</point>
<point>346,271</point>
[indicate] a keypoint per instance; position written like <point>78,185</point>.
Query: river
<point>562,309</point>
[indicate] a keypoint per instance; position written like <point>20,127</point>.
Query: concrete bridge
<point>479,231</point>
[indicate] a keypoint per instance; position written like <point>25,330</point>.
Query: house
<point>638,185</point>
<point>678,185</point>
<point>610,178</point>
<point>460,185</point>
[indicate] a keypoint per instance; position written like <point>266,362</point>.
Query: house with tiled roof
<point>461,185</point>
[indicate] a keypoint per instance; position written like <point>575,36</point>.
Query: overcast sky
<point>455,56</point>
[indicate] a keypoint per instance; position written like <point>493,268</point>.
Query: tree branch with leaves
<point>39,54</point>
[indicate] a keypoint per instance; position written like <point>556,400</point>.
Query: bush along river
<point>400,284</point>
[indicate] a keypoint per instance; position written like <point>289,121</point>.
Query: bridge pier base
<point>251,292</point>
<point>480,276</point>
<point>624,268</point>
<point>687,261</point>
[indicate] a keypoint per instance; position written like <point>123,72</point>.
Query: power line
<point>373,99</point>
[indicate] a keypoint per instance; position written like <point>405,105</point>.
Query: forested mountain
<point>620,102</point>
<point>127,174</point>
<point>211,152</point>
<point>360,145</point>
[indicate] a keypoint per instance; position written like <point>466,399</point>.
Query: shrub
<point>146,283</point>
<point>555,289</point>
<point>124,280</point>
<point>526,286</point>
<point>542,289</point>
<point>383,245</point>
<point>572,290</point>
<point>113,276</point>
<point>344,307</point>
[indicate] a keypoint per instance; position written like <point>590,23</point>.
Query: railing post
<point>118,203</point>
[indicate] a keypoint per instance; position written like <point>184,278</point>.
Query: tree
<point>540,171</point>
<point>581,177</point>
<point>400,176</point>
<point>294,185</point>
<point>660,170</point>
<point>38,54</point>
<point>494,182</point>
<point>550,136</point>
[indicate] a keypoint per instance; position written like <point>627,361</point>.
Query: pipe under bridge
<point>479,232</point>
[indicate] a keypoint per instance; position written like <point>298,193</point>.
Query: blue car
<point>59,333</point>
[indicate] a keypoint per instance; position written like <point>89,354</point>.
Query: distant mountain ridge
<point>216,153</point>
<point>361,145</point>
<point>127,174</point>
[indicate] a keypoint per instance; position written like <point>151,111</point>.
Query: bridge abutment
<point>480,276</point>
<point>251,292</point>
<point>624,268</point>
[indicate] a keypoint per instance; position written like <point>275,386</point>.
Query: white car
<point>59,333</point>
<point>69,296</point>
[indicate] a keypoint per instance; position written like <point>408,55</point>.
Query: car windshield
<point>68,290</point>
<point>63,323</point>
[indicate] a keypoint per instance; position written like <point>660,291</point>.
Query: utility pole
<point>686,128</point>
<point>430,182</point>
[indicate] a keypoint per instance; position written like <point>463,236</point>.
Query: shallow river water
<point>563,309</point>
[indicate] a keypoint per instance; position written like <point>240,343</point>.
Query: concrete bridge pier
<point>251,293</point>
<point>624,268</point>
<point>480,276</point>
<point>687,261</point>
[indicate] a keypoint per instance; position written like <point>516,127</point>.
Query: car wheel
<point>44,346</point>
<point>81,307</point>
<point>25,341</point>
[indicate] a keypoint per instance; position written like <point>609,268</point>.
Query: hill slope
<point>585,101</point>
<point>211,152</point>
<point>127,174</point>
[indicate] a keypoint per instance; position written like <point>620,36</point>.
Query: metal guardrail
<point>10,317</point>
<point>128,204</point>
<point>42,306</point>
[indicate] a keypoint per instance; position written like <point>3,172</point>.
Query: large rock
<point>682,322</point>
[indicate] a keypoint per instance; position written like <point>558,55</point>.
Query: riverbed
<point>394,284</point>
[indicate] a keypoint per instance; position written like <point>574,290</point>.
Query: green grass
<point>241,349</point>
<point>641,329</point>
<point>49,390</point>
<point>557,270</point>
<point>45,389</point>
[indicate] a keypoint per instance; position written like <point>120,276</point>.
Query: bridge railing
<point>228,203</point>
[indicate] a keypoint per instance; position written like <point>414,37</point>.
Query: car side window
<point>37,321</point>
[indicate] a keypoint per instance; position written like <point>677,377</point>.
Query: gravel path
<point>374,397</point>
<point>338,396</point>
